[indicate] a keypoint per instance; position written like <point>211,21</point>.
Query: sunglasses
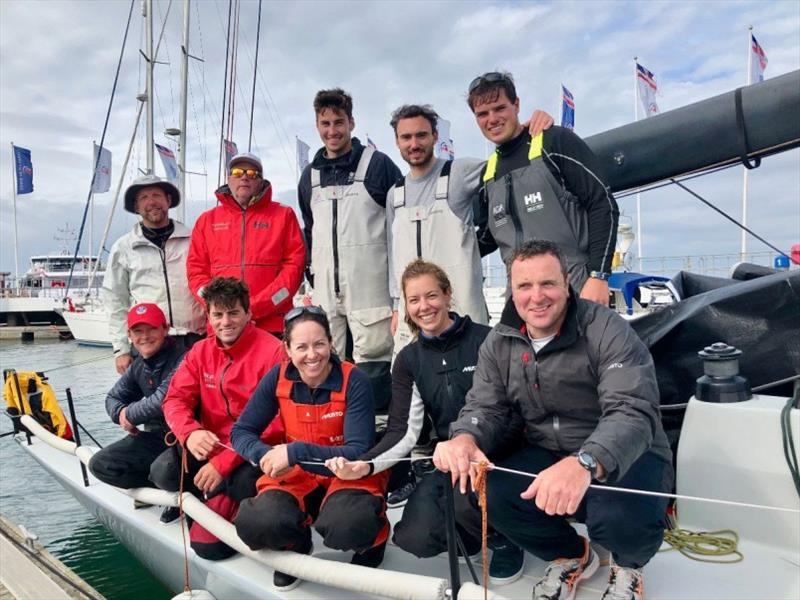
<point>249,173</point>
<point>493,77</point>
<point>299,310</point>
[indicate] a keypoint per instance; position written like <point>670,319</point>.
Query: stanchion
<point>76,432</point>
<point>450,527</point>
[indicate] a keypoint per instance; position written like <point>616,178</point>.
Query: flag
<point>231,150</point>
<point>301,152</point>
<point>371,144</point>
<point>170,166</point>
<point>758,61</point>
<point>646,85</point>
<point>444,147</point>
<point>102,170</point>
<point>23,166</point>
<point>567,108</point>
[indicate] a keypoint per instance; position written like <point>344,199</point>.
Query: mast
<point>638,195</point>
<point>148,15</point>
<point>745,170</point>
<point>14,190</point>
<point>182,124</point>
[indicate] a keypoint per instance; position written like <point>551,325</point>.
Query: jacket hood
<point>225,196</point>
<point>347,161</point>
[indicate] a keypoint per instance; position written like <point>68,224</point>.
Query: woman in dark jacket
<point>430,380</point>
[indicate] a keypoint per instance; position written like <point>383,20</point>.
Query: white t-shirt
<point>539,343</point>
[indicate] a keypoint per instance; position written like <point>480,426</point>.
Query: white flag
<point>102,173</point>
<point>170,166</point>
<point>647,88</point>
<point>444,147</point>
<point>758,61</point>
<point>302,154</point>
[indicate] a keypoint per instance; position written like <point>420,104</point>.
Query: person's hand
<point>276,461</point>
<point>558,490</point>
<point>125,424</point>
<point>538,122</point>
<point>595,290</point>
<point>122,362</point>
<point>201,443</point>
<point>395,319</point>
<point>208,478</point>
<point>347,470</point>
<point>456,457</point>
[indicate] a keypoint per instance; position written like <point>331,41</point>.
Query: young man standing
<point>342,196</point>
<point>545,187</point>
<point>250,236</point>
<point>207,394</point>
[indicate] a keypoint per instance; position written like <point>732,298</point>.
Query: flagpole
<point>638,196</point>
<point>91,198</point>
<point>14,190</point>
<point>745,170</point>
<point>296,159</point>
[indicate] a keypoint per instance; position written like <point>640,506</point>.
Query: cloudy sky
<point>58,59</point>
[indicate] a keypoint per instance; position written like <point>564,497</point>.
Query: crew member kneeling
<point>327,410</point>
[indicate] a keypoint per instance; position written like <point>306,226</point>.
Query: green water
<point>30,497</point>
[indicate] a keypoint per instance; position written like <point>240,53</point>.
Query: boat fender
<point>194,595</point>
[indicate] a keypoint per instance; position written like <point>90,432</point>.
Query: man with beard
<point>149,265</point>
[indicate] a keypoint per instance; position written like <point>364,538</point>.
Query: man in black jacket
<point>543,187</point>
<point>135,400</point>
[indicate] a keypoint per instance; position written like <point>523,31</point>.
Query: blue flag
<point>24,169</point>
<point>567,109</point>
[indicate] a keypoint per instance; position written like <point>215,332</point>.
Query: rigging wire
<point>224,96</point>
<point>100,150</point>
<point>255,71</point>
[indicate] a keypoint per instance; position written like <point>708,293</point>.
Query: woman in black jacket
<point>430,379</point>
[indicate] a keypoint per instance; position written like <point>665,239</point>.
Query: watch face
<point>587,461</point>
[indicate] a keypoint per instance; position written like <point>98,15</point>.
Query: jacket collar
<point>180,231</point>
<point>511,324</point>
<point>162,356</point>
<point>242,346</point>
<point>225,197</point>
<point>450,337</point>
<point>333,382</point>
<point>347,161</point>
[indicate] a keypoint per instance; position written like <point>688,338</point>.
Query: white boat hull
<point>89,328</point>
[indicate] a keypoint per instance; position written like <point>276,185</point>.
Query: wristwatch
<point>600,275</point>
<point>588,462</point>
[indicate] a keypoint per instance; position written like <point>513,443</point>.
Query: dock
<point>29,572</point>
<point>29,333</point>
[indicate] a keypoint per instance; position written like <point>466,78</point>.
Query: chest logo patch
<point>499,215</point>
<point>533,202</point>
<point>220,226</point>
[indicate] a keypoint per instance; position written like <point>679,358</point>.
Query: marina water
<point>30,497</point>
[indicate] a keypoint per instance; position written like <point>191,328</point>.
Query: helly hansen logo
<point>468,369</point>
<point>332,415</point>
<point>260,225</point>
<point>533,202</point>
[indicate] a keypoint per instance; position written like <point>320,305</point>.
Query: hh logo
<point>533,202</point>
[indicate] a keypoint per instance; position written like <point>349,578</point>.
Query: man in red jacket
<point>206,395</point>
<point>253,238</point>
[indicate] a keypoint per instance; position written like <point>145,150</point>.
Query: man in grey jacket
<point>571,379</point>
<point>148,264</point>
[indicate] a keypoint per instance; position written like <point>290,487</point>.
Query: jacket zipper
<point>222,389</point>
<point>244,229</point>
<point>419,239</point>
<point>335,240</point>
<point>512,209</point>
<point>163,253</point>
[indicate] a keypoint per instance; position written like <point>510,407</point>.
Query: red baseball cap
<point>146,313</point>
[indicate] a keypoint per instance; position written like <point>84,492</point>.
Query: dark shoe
<point>400,496</point>
<point>137,504</point>
<point>507,564</point>
<point>369,558</point>
<point>169,514</point>
<point>284,582</point>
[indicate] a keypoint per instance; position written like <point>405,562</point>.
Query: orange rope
<point>172,441</point>
<point>480,487</point>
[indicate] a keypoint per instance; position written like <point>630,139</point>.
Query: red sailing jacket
<point>221,381</point>
<point>260,245</point>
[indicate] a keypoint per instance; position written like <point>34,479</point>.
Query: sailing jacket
<point>342,201</point>
<point>430,379</point>
<point>260,245</point>
<point>139,271</point>
<point>356,416</point>
<point>142,387</point>
<point>212,385</point>
<point>592,388</point>
<point>549,188</point>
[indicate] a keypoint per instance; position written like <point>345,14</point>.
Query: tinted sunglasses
<point>249,173</point>
<point>299,310</point>
<point>493,77</point>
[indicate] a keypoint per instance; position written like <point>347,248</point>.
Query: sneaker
<point>283,582</point>
<point>507,564</point>
<point>372,557</point>
<point>400,496</point>
<point>169,514</point>
<point>624,583</point>
<point>560,581</point>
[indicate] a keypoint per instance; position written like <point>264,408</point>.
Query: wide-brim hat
<point>150,181</point>
<point>245,157</point>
